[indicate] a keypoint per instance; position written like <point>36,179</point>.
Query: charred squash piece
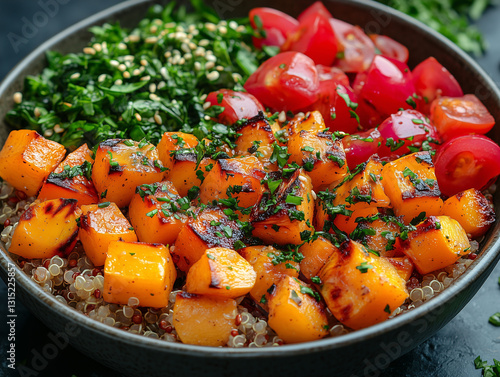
<point>171,142</point>
<point>27,158</point>
<point>295,314</point>
<point>410,182</point>
<point>360,288</point>
<point>237,178</point>
<point>221,272</point>
<point>283,214</point>
<point>46,229</point>
<point>312,122</point>
<point>403,265</point>
<point>100,225</point>
<point>269,267</point>
<point>204,320</point>
<point>321,156</point>
<point>315,253</point>
<point>205,229</point>
<point>378,235</point>
<point>71,180</point>
<point>122,165</point>
<point>141,270</point>
<point>437,242</point>
<point>472,210</point>
<point>186,172</point>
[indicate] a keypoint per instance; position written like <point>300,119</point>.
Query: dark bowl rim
<point>489,255</point>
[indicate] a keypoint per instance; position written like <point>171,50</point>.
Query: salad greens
<point>143,82</point>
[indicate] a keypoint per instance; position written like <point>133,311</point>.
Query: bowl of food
<point>241,158</point>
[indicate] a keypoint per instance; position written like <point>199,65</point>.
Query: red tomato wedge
<point>331,76</point>
<point>389,85</point>
<point>390,48</point>
<point>471,161</point>
<point>314,37</point>
<point>405,129</point>
<point>275,24</point>
<point>460,116</point>
<point>359,147</point>
<point>432,80</point>
<point>315,8</point>
<point>287,81</point>
<point>356,49</point>
<point>237,105</point>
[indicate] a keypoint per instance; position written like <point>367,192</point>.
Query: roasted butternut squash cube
<point>359,288</point>
<point>220,272</point>
<point>237,178</point>
<point>472,210</point>
<point>363,188</point>
<point>270,265</point>
<point>283,214</point>
<point>379,235</point>
<point>316,253</point>
<point>204,320</point>
<point>141,270</point>
<point>122,165</point>
<point>349,223</point>
<point>46,229</point>
<point>257,138</point>
<point>171,142</point>
<point>100,224</point>
<point>70,179</point>
<point>321,156</point>
<point>438,241</point>
<point>296,313</point>
<point>27,158</point>
<point>157,212</point>
<point>410,182</point>
<point>205,229</point>
<point>312,121</point>
<point>186,172</point>
<point>403,266</point>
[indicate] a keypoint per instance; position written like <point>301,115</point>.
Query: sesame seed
<point>212,76</point>
<point>185,47</point>
<point>67,104</point>
<point>153,29</point>
<point>222,29</point>
<point>200,51</point>
<point>188,56</point>
<point>210,26</point>
<point>206,117</point>
<point>48,133</point>
<point>176,52</point>
<point>223,23</point>
<point>186,40</point>
<point>36,112</point>
<point>180,35</point>
<point>233,25</point>
<point>209,65</point>
<point>136,72</point>
<point>161,85</point>
<point>128,64</point>
<point>114,63</point>
<point>126,75</point>
<point>197,66</point>
<point>18,97</point>
<point>151,40</point>
<point>219,68</point>
<point>192,46</point>
<point>134,38</point>
<point>237,77</point>
<point>89,51</point>
<point>169,25</point>
<point>154,97</point>
<point>122,67</point>
<point>282,117</point>
<point>152,88</point>
<point>142,68</point>
<point>204,42</point>
<point>195,32</point>
<point>58,129</point>
<point>191,28</point>
<point>118,82</point>
<point>211,58</point>
<point>182,61</point>
<point>157,118</point>
<point>102,77</point>
<point>122,46</point>
<point>180,28</point>
<point>176,59</point>
<point>145,78</point>
<point>210,52</point>
<point>174,102</point>
<point>203,97</point>
<point>97,47</point>
<point>240,29</point>
<point>158,22</point>
<point>167,54</point>
<point>138,117</point>
<point>144,62</point>
<point>75,76</point>
<point>129,58</point>
<point>164,72</point>
<point>206,105</point>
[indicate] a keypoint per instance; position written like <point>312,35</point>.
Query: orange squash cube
<point>378,235</point>
<point>240,177</point>
<point>141,270</point>
<point>204,320</point>
<point>437,242</point>
<point>46,229</point>
<point>207,228</point>
<point>122,165</point>
<point>315,253</point>
<point>220,272</point>
<point>68,183</point>
<point>294,314</point>
<point>410,182</point>
<point>472,210</point>
<point>171,142</point>
<point>312,122</point>
<point>27,158</point>
<point>186,172</point>
<point>321,156</point>
<point>100,224</point>
<point>403,266</point>
<point>157,213</point>
<point>359,288</point>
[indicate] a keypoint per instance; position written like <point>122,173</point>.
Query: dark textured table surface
<point>449,353</point>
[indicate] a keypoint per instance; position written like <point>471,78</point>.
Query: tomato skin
<point>357,48</point>
<point>471,161</point>
<point>287,81</point>
<point>331,76</point>
<point>359,147</point>
<point>276,24</point>
<point>315,8</point>
<point>390,48</point>
<point>432,80</point>
<point>388,85</point>
<point>460,116</point>
<point>405,128</point>
<point>237,105</point>
<point>314,37</point>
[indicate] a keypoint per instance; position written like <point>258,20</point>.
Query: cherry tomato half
<point>390,48</point>
<point>432,80</point>
<point>331,76</point>
<point>237,105</point>
<point>460,116</point>
<point>359,147</point>
<point>275,24</point>
<point>471,161</point>
<point>315,8</point>
<point>287,81</point>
